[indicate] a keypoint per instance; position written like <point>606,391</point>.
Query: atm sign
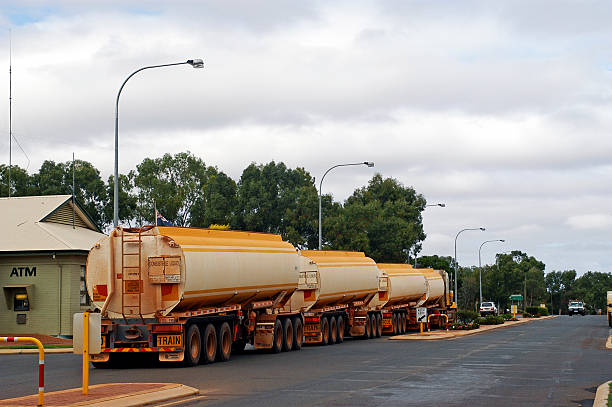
<point>169,340</point>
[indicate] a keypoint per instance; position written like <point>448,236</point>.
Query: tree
<point>127,200</point>
<point>174,184</point>
<point>218,201</point>
<point>591,288</point>
<point>382,219</point>
<point>20,181</point>
<point>275,199</point>
<point>437,263</point>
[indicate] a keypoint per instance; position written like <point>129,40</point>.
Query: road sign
<point>516,297</point>
<point>95,333</point>
<point>421,314</point>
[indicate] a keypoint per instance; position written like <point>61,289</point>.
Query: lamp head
<point>502,240</point>
<point>369,163</point>
<point>483,229</point>
<point>442,205</point>
<point>196,63</point>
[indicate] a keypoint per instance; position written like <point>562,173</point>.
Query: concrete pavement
<point>111,395</point>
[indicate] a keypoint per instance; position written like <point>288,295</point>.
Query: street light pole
<point>196,63</point>
<point>368,163</point>
<point>441,205</point>
<point>456,264</point>
<point>480,263</point>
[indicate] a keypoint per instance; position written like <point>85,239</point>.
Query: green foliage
<point>542,311</point>
<point>382,219</point>
<point>491,320</point>
<point>467,316</point>
<point>437,263</point>
<point>532,310</point>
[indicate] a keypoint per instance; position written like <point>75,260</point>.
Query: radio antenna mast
<point>10,114</point>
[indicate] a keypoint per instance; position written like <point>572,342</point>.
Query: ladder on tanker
<point>131,274</point>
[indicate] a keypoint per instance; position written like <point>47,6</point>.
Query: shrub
<point>466,316</point>
<point>506,317</point>
<point>532,310</point>
<point>527,315</point>
<point>543,311</point>
<point>491,320</point>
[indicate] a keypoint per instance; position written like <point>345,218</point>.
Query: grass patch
<point>52,346</point>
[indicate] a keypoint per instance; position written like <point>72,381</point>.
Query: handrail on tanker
<point>41,362</point>
<point>437,315</point>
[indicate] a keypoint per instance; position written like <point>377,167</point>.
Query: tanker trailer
<point>437,300</point>
<point>191,295</point>
<point>407,289</point>
<point>334,301</point>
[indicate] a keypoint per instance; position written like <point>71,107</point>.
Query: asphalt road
<point>556,362</point>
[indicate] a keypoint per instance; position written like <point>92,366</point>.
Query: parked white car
<point>488,308</point>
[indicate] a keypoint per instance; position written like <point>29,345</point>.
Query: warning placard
<point>421,314</point>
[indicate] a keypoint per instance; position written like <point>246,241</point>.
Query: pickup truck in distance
<point>575,307</point>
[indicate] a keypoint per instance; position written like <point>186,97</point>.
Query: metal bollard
<point>41,362</point>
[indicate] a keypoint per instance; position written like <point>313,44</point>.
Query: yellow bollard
<point>420,328</point>
<point>86,353</point>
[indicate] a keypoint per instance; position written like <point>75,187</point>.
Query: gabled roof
<point>44,223</point>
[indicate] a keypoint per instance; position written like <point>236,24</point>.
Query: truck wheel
<point>193,345</point>
<point>394,323</point>
<point>210,344</point>
<point>287,335</point>
<point>368,328</point>
<point>333,331</point>
<point>224,350</point>
<point>324,331</point>
<point>610,319</point>
<point>340,323</point>
<point>298,333</point>
<point>378,325</point>
<point>277,342</point>
<point>404,327</point>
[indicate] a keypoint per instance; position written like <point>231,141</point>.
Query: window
<point>83,288</point>
<point>20,302</point>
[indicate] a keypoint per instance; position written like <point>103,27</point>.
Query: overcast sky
<point>501,110</point>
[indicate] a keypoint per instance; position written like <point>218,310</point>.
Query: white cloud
<point>591,221</point>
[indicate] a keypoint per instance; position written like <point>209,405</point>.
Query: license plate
<point>169,340</point>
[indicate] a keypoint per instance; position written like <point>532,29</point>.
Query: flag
<point>161,221</point>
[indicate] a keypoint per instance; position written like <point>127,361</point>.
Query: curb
<point>164,392</point>
<point>601,397</point>
<point>435,335</point>
<point>609,342</point>
<point>34,351</point>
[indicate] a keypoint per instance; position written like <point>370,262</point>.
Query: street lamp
<point>441,205</point>
<point>196,63</point>
<point>456,264</point>
<point>368,163</point>
<point>480,264</point>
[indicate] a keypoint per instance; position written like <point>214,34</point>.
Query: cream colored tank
<point>180,269</point>
<point>341,277</point>
<point>435,285</point>
<point>405,284</point>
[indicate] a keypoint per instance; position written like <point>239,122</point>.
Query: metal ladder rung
<point>131,267</point>
<point>131,254</point>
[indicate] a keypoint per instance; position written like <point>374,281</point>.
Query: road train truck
<point>609,308</point>
<point>409,288</point>
<point>339,287</point>
<point>193,295</point>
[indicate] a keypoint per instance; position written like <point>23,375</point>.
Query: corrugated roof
<point>33,223</point>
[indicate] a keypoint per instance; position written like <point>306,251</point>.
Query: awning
<point>17,286</point>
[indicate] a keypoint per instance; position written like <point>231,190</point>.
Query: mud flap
<point>171,356</point>
<point>264,331</point>
<point>100,357</point>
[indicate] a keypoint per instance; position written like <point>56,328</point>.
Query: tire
<point>404,323</point>
<point>298,333</point>
<point>333,331</point>
<point>394,323</point>
<point>277,342</point>
<point>287,335</point>
<point>340,323</point>
<point>610,319</point>
<point>368,327</point>
<point>324,331</point>
<point>378,325</point>
<point>224,342</point>
<point>209,344</point>
<point>193,345</point>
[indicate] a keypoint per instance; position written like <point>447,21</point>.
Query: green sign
<point>516,297</point>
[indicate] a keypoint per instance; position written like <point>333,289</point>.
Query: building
<point>43,252</point>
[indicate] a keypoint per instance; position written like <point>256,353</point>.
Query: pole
<point>480,265</point>
<point>456,293</point>
<point>193,62</point>
<point>86,353</point>
<point>73,186</point>
<point>10,113</point>
<point>368,163</point>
